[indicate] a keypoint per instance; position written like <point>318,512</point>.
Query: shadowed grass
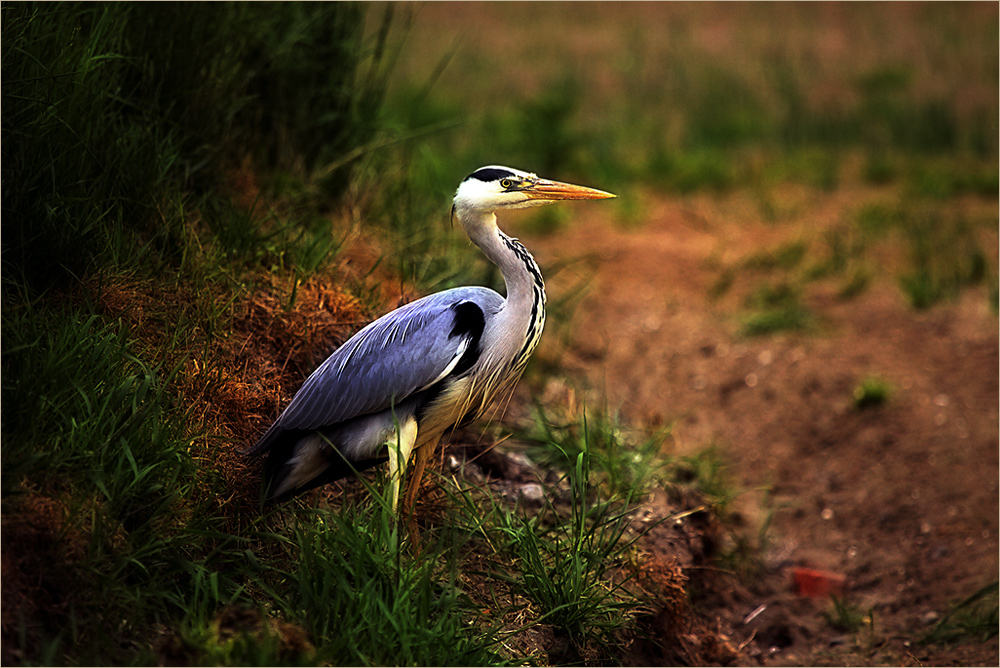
<point>871,393</point>
<point>973,619</point>
<point>570,563</point>
<point>624,461</point>
<point>366,600</point>
<point>774,309</point>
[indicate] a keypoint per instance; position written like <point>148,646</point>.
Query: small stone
<point>533,493</point>
<point>929,617</point>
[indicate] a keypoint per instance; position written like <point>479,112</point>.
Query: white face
<point>495,187</point>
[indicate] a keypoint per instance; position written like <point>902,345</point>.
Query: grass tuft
<point>777,309</point>
<point>974,619</point>
<point>365,600</point>
<point>872,392</point>
<point>625,461</point>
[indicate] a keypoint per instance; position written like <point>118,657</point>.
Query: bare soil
<point>901,498</point>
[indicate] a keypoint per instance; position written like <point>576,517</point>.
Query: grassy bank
<point>176,178</point>
<point>202,200</point>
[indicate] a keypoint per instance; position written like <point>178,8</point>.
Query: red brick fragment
<point>818,584</point>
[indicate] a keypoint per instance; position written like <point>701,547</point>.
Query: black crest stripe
<point>490,174</point>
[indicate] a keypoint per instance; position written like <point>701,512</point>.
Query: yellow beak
<point>554,190</point>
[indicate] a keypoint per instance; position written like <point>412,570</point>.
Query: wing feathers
<point>401,353</point>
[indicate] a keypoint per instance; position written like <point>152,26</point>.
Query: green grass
<point>945,257</point>
<point>683,117</point>
<point>119,124</point>
<point>115,115</point>
<point>625,461</point>
<point>931,250</point>
<point>566,570</point>
<point>166,169</point>
<point>872,392</point>
<point>974,619</point>
<point>708,473</point>
<point>570,564</point>
<point>843,616</point>
<point>776,308</point>
<point>103,409</point>
<point>97,430</point>
<point>366,600</point>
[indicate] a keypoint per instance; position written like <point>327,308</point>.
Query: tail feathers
<point>265,442</point>
<point>305,462</point>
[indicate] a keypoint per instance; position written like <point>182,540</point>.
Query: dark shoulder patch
<point>469,322</point>
<point>490,174</point>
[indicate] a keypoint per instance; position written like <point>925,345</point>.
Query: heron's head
<point>493,188</point>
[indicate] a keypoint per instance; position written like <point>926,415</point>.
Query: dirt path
<point>901,498</point>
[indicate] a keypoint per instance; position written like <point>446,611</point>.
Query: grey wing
<point>399,354</point>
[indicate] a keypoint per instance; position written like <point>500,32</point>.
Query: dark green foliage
<point>366,600</point>
<point>80,167</point>
<point>623,460</point>
<point>976,619</point>
<point>122,125</point>
<point>566,568</point>
<point>945,257</point>
<point>569,564</point>
<point>87,420</point>
<point>87,412</point>
<point>549,137</point>
<point>108,109</point>
<point>871,392</point>
<point>777,308</point>
<point>696,169</point>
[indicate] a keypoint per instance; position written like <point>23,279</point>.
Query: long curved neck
<point>525,288</point>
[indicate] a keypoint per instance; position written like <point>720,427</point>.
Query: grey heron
<point>394,388</point>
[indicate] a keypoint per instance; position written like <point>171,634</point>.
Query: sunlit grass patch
<point>872,392</point>
<point>786,256</point>
<point>777,308</point>
<point>624,460</point>
<point>931,250</point>
<point>945,257</point>
<point>944,179</point>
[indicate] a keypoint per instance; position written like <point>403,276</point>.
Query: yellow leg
<point>416,473</point>
<point>400,447</point>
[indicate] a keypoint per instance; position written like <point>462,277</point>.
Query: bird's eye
<point>506,183</point>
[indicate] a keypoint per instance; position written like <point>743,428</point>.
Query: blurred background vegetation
<point>195,152</point>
